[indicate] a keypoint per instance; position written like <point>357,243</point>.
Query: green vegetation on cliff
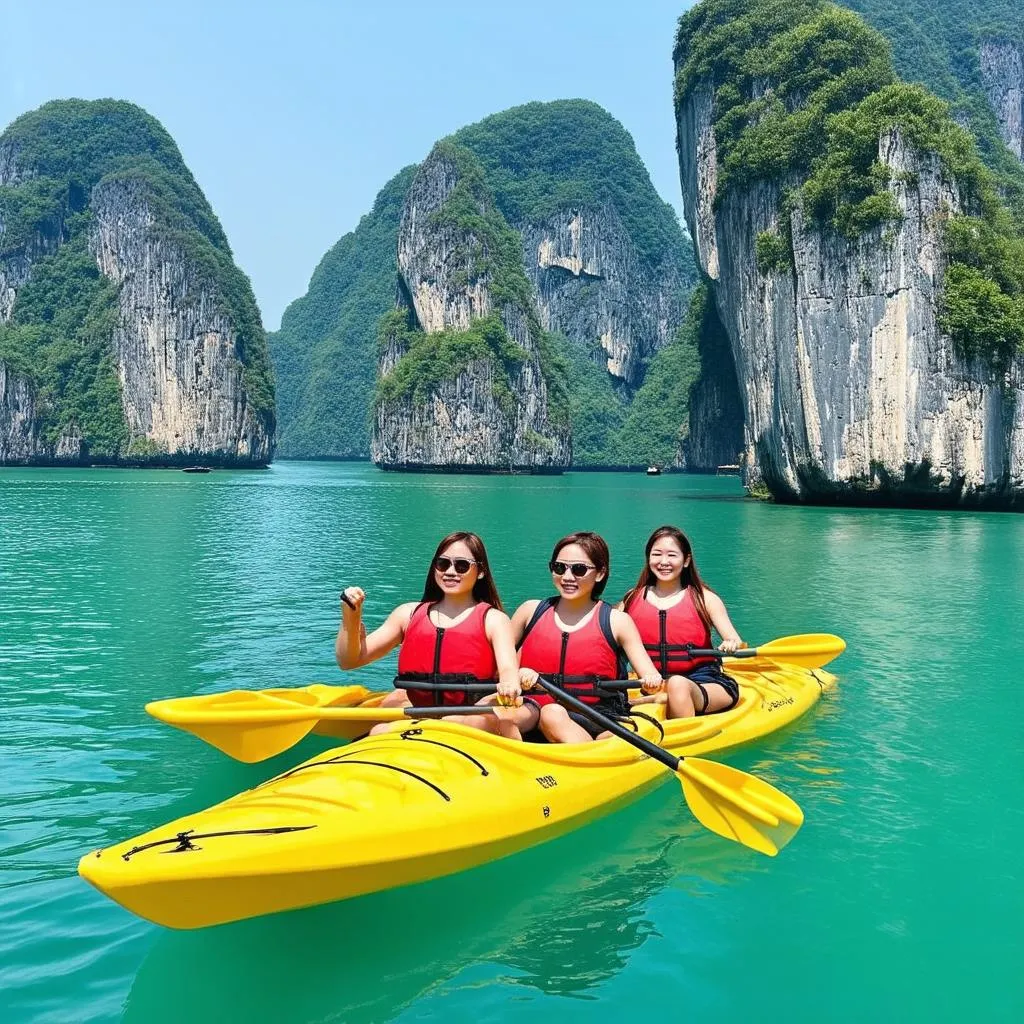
<point>428,360</point>
<point>650,429</point>
<point>62,323</point>
<point>803,92</point>
<point>59,338</point>
<point>544,157</point>
<point>937,43</point>
<point>325,353</point>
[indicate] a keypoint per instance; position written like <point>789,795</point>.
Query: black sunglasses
<point>443,564</point>
<point>578,569</point>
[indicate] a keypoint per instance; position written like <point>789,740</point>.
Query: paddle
<point>725,800</point>
<point>271,731</point>
<point>808,650</point>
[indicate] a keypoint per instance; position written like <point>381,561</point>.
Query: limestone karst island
<point>842,314</point>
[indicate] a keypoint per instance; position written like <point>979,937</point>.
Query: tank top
<point>440,654</point>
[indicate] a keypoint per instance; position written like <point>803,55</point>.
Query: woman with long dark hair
<point>674,610</point>
<point>457,632</point>
<point>576,640</point>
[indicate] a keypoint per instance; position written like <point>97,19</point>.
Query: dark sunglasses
<point>443,564</point>
<point>578,569</point>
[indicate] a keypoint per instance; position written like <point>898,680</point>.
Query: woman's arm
<point>520,619</point>
<point>720,620</point>
<point>625,632</point>
<point>498,629</point>
<point>352,647</point>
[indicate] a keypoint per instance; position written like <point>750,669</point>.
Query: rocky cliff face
<point>176,353</point>
<point>850,391</point>
<point>1002,74</point>
<point>18,430</point>
<point>453,272</point>
<point>590,283</point>
<point>175,347</point>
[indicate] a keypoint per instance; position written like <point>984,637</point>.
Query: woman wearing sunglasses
<point>674,610</point>
<point>457,633</point>
<point>576,640</point>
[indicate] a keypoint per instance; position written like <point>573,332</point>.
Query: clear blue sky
<point>292,116</point>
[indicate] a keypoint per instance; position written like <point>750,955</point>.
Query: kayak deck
<point>422,800</point>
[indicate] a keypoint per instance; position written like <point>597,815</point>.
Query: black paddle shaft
<point>455,709</point>
<point>649,748</point>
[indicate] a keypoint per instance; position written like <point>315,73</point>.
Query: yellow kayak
<point>423,800</point>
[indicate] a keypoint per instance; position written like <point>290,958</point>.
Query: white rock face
<point>462,424</point>
<point>1002,74</point>
<point>18,424</point>
<point>176,348</point>
<point>850,391</point>
<point>591,284</point>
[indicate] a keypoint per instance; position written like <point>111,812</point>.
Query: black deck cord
<point>416,734</point>
<point>653,721</point>
<point>342,759</point>
<point>184,839</point>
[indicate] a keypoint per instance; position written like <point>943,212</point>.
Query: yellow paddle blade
<point>253,725</point>
<point>739,806</point>
<point>809,650</point>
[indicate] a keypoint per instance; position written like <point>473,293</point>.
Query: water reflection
<point>561,918</point>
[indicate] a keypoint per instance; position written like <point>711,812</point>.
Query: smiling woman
<point>457,633</point>
<point>576,641</point>
<point>675,613</point>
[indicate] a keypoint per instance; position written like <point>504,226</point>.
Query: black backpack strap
<point>542,607</point>
<point>604,619</point>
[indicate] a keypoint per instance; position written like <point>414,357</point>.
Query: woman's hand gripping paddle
<point>808,650</point>
<point>725,800</point>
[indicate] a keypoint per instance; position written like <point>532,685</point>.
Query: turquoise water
<point>901,897</point>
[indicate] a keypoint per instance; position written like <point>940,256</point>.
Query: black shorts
<point>703,675</point>
<point>613,710</point>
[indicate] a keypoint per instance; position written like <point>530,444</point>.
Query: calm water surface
<point>901,897</point>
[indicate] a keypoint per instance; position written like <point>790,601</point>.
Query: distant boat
<point>196,469</point>
<point>653,471</point>
<point>732,470</point>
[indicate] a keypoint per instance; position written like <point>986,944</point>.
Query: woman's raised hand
<point>352,599</point>
<point>651,684</point>
<point>509,694</point>
<point>528,678</point>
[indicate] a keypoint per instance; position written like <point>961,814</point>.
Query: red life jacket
<point>667,633</point>
<point>445,654</point>
<point>577,660</point>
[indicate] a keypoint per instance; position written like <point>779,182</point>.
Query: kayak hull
<point>420,801</point>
